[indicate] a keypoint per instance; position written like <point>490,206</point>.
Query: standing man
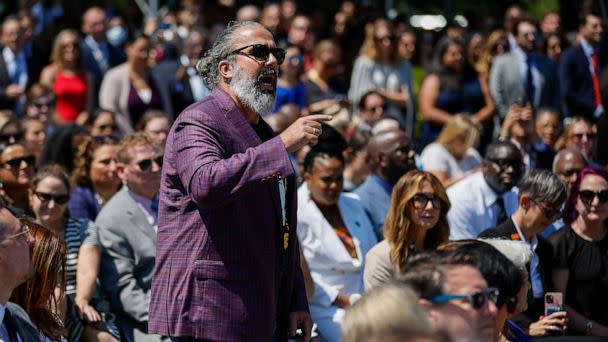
<point>15,74</point>
<point>227,258</point>
<point>523,77</point>
<point>98,55</point>
<point>15,268</point>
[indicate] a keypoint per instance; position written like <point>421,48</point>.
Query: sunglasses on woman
<point>146,164</point>
<point>261,52</point>
<point>46,198</point>
<point>422,200</point>
<point>587,196</point>
<point>477,299</point>
<point>16,162</point>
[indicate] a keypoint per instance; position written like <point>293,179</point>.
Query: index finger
<point>319,117</point>
<point>307,330</point>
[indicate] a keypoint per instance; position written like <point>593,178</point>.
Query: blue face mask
<point>117,35</point>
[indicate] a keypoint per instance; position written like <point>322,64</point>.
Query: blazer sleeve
<point>378,267</point>
<point>117,273</point>
<point>211,178</point>
<point>496,83</point>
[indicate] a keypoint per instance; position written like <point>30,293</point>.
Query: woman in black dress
<point>581,253</point>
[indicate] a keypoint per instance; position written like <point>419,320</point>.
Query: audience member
<point>101,123</point>
<point>454,295</point>
<point>522,77</point>
<point>372,107</point>
<point>156,124</point>
<point>98,55</point>
<point>300,34</point>
<point>11,132</point>
<point>391,155</point>
<point>379,68</point>
<point>66,76</point>
<point>580,133</point>
<point>189,17</point>
<point>40,104</point>
<point>49,194</point>
<point>416,222</point>
<point>553,47</point>
<point>580,69</point>
<point>16,267</point>
<point>513,14</point>
<point>248,13</point>
<point>335,234</point>
<point>290,88</point>
<point>61,146</point>
<point>326,58</point>
<point>541,195</point>
<point>487,198</point>
<point>42,295</point>
<point>130,89</point>
<point>547,127</point>
<point>127,231</point>
<point>550,23</point>
<point>453,156</point>
<point>581,266</point>
<point>15,175</point>
<point>393,306</point>
<point>94,177</point>
<point>356,165</point>
<point>34,135</point>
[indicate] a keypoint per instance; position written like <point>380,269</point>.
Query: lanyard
<point>285,223</point>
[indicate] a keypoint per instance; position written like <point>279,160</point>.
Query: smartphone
<point>554,302</point>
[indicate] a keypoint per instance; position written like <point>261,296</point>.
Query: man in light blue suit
<point>391,155</point>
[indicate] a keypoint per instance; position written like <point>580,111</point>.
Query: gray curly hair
<point>207,65</point>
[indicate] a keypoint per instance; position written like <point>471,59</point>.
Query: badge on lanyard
<point>283,196</point>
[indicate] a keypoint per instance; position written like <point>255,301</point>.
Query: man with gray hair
<point>541,195</point>
<point>227,255</point>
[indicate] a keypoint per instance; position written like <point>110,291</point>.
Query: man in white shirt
<point>485,199</point>
<point>13,66</point>
<point>127,230</point>
<point>15,268</point>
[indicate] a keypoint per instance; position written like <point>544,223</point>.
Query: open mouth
<point>268,81</point>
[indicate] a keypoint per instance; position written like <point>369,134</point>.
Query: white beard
<point>246,90</point>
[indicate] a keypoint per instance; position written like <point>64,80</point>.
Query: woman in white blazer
<point>335,234</point>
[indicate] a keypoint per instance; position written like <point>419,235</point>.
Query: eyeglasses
<point>504,163</point>
<point>46,197</point>
<point>25,229</point>
<point>549,213</point>
<point>587,196</point>
<point>261,52</point>
<point>477,299</point>
<point>15,136</point>
<point>146,164</point>
<point>16,162</point>
<point>422,200</point>
<point>375,108</point>
<point>112,127</point>
<point>589,135</point>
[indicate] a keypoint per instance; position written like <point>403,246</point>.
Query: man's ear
<point>121,171</point>
<point>524,201</point>
<point>225,69</point>
<point>430,310</point>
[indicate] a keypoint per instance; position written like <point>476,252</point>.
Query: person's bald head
<point>391,154</point>
<point>94,23</point>
<point>567,164</point>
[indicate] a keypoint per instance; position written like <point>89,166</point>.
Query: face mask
<point>117,35</point>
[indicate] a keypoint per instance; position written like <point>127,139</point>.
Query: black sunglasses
<point>477,299</point>
<point>146,164</point>
<point>15,136</point>
<point>16,162</point>
<point>422,200</point>
<point>46,198</point>
<point>589,135</point>
<point>113,127</point>
<point>587,196</point>
<point>261,52</point>
<point>504,163</point>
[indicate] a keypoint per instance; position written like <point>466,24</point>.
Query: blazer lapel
<point>353,224</point>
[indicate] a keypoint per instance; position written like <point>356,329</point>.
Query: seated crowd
<point>470,205</point>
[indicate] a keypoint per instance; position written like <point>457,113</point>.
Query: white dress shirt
<point>473,206</point>
<point>535,279</point>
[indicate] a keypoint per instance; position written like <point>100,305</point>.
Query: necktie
<point>501,214</point>
<point>529,81</point>
<point>10,326</point>
<point>596,80</point>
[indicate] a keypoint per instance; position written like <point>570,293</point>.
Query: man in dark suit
<point>97,53</point>
<point>179,83</point>
<point>580,70</point>
<point>227,255</point>
<point>541,195</point>
<point>15,268</point>
<point>15,73</point>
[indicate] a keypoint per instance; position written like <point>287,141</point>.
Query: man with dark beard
<point>227,257</point>
<point>391,155</point>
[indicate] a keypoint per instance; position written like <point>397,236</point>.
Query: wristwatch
<point>588,327</point>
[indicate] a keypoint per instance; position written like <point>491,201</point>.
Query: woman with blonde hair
<point>452,156</point>
<point>416,221</point>
<point>380,68</point>
<point>67,77</point>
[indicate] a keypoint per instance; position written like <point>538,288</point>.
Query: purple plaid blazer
<point>219,239</point>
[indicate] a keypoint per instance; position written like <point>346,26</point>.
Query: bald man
<point>391,155</point>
